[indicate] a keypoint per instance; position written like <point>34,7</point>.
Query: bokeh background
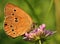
<point>41,11</point>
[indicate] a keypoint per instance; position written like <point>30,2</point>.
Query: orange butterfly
<point>17,22</point>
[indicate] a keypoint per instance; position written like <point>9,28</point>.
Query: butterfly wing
<point>17,22</point>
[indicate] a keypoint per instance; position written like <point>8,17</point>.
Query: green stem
<point>51,4</point>
<point>57,8</point>
<point>40,42</point>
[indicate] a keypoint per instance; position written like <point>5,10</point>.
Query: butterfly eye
<point>14,10</point>
<point>13,33</point>
<point>12,29</point>
<point>13,14</point>
<point>16,20</point>
<point>5,24</point>
<point>11,26</point>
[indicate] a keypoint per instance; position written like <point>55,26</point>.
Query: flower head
<point>38,33</point>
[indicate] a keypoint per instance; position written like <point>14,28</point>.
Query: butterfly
<point>17,21</point>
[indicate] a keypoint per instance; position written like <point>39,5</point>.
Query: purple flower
<point>49,33</point>
<point>38,33</point>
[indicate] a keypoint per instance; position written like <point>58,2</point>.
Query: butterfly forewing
<point>17,22</point>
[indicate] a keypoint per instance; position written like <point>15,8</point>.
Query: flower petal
<point>42,26</point>
<point>48,32</point>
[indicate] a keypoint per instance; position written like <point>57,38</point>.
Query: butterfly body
<point>17,22</point>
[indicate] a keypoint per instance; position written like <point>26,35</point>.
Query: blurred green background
<point>41,11</point>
